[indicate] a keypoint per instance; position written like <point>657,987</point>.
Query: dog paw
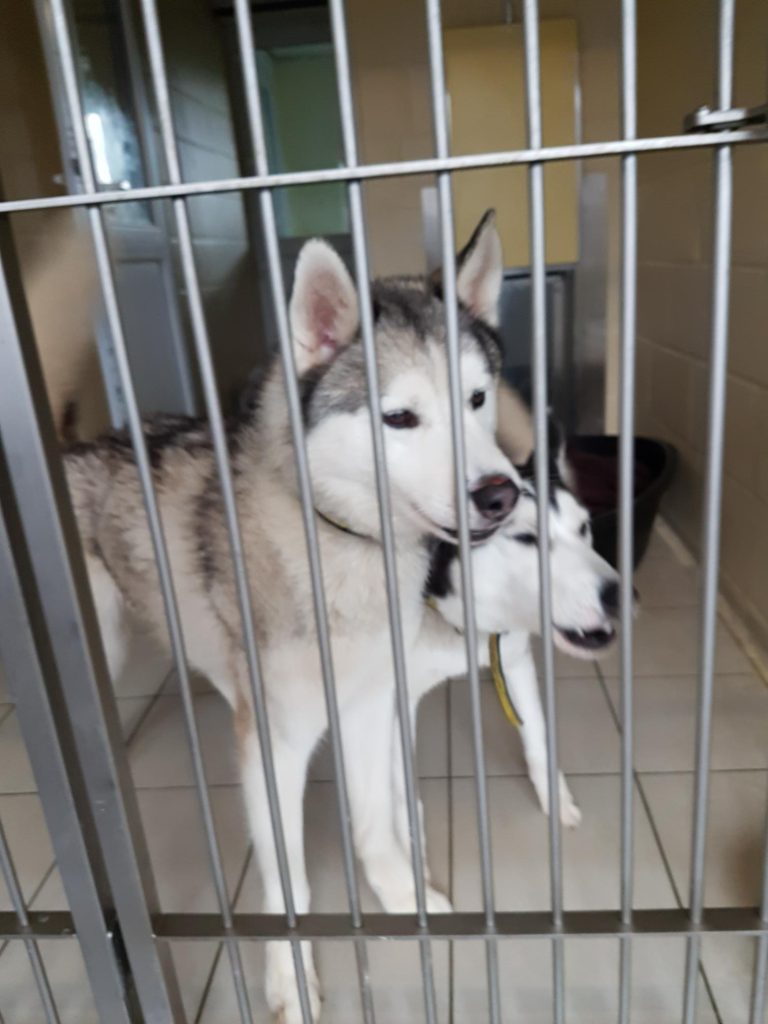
<point>282,987</point>
<point>437,903</point>
<point>570,815</point>
<point>397,894</point>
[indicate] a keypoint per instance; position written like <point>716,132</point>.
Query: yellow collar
<point>500,682</point>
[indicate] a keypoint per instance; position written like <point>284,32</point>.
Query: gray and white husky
<point>410,340</point>
<point>585,606</point>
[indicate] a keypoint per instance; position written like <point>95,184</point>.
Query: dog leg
<point>290,760</point>
<point>372,748</point>
<point>520,673</point>
<point>400,804</point>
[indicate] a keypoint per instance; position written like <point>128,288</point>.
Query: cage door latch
<point>704,119</point>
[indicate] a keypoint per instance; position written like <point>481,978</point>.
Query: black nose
<point>610,598</point>
<point>495,497</point>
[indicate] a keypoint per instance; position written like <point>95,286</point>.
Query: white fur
<point>419,460</point>
<point>506,592</point>
<point>323,312</point>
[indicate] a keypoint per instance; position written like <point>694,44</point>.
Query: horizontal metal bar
<point>395,169</point>
<point>469,925</point>
<point>41,924</point>
<point>55,573</point>
<point>12,884</point>
<point>588,924</point>
<point>42,722</point>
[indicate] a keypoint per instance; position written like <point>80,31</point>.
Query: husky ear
<point>558,452</point>
<point>480,271</point>
<point>559,467</point>
<point>323,309</point>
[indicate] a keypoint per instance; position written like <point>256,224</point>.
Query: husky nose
<point>610,598</point>
<point>495,497</point>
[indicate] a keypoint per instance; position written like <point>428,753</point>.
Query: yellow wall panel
<point>485,79</point>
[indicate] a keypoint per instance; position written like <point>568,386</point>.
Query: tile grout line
<point>220,948</point>
<point>660,846</point>
<point>33,896</point>
<point>128,740</point>
<point>50,869</point>
<point>728,614</point>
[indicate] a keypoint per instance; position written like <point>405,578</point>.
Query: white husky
<point>585,600</point>
<point>409,326</point>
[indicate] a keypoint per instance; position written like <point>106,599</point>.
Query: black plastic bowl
<point>595,461</point>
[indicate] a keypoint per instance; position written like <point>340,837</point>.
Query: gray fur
<point>107,498</point>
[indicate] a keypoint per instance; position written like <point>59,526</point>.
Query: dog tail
<point>61,288</point>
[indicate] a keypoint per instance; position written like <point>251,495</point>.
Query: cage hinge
<point>704,119</point>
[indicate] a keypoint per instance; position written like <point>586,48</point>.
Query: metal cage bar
<point>626,483</point>
<point>57,776</point>
<point>760,974</point>
<point>23,417</point>
<point>244,27</point>
<point>42,984</point>
<point>721,267</point>
<point>406,726</point>
<point>56,561</point>
<point>732,922</point>
<point>161,95</point>
<point>63,43</point>
<point>541,462</point>
<point>396,169</point>
<point>450,300</point>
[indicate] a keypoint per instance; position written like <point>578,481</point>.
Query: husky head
<point>585,588</point>
<point>409,332</point>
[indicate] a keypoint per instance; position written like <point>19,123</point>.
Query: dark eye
<point>529,539</point>
<point>401,419</point>
<point>584,530</point>
<point>477,399</point>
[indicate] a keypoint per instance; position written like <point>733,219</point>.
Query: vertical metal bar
<point>221,451</point>
<point>63,44</point>
<point>51,537</point>
<point>362,273</point>
<point>244,27</point>
<point>74,183</point>
<point>760,977</point>
<point>28,658</point>
<point>712,501</point>
<point>33,950</point>
<point>445,199</point>
<point>626,483</point>
<point>540,374</point>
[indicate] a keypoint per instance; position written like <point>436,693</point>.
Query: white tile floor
<point>665,708</point>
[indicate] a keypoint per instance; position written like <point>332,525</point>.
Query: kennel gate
<point>48,632</point>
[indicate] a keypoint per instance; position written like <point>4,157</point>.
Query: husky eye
<point>584,530</point>
<point>477,399</point>
<point>529,539</point>
<point>401,419</point>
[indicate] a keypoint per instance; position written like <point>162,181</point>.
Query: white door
<point>125,155</point>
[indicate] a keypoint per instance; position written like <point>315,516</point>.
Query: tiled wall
<point>676,69</point>
<point>207,147</point>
